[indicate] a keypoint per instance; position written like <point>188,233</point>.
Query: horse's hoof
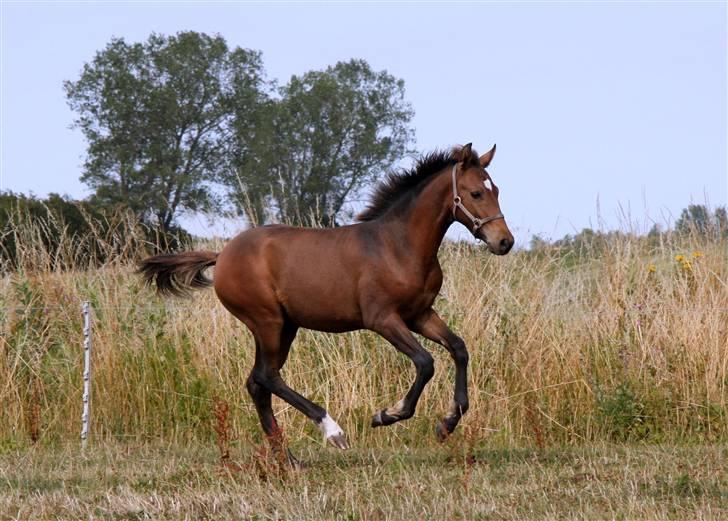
<point>442,433</point>
<point>339,441</point>
<point>333,433</point>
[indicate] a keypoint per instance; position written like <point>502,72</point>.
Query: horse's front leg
<point>399,335</point>
<point>432,327</point>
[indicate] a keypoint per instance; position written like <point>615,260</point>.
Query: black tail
<point>177,274</point>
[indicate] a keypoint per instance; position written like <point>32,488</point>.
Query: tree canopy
<point>696,218</point>
<point>328,134</point>
<point>158,119</point>
<point>177,123</point>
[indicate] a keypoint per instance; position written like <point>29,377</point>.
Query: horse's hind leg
<point>262,400</point>
<point>274,340</point>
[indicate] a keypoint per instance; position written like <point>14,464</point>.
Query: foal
<point>380,274</point>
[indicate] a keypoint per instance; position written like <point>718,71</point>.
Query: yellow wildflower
<point>697,254</point>
<point>680,258</point>
<point>651,268</point>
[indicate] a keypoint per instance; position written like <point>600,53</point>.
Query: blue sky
<point>602,111</point>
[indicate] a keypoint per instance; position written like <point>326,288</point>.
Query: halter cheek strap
<point>458,203</point>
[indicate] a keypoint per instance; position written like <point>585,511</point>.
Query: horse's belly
<point>328,325</point>
<point>323,305</point>
<point>320,318</point>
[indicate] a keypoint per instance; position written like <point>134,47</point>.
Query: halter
<point>458,203</point>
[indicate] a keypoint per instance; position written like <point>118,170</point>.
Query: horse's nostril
<point>505,245</point>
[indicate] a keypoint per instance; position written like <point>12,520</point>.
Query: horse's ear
<point>466,153</point>
<point>486,158</point>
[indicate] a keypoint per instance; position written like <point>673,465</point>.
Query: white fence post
<point>86,416</point>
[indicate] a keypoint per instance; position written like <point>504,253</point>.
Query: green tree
<point>158,120</point>
<point>696,218</point>
<point>721,220</point>
<point>538,243</point>
<point>313,148</point>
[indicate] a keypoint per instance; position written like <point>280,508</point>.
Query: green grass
<point>155,481</point>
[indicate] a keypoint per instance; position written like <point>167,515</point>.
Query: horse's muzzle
<point>499,245</point>
<point>505,245</point>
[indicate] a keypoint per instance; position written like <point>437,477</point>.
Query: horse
<point>380,273</point>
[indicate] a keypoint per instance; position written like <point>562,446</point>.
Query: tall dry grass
<point>622,341</point>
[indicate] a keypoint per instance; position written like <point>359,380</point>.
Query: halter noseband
<point>458,203</point>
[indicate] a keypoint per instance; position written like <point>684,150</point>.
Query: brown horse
<point>380,274</point>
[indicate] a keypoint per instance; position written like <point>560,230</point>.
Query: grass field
<point>598,389</point>
<point>155,481</point>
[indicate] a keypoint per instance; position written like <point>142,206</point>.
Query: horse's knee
<point>425,365</point>
<point>459,352</point>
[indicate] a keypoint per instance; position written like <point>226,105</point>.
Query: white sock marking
<point>329,427</point>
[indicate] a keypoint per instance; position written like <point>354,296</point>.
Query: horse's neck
<point>428,218</point>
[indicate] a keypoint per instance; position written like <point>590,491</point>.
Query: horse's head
<point>475,200</point>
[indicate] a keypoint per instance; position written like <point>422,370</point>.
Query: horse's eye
<point>476,195</point>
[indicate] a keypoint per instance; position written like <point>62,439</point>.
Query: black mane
<point>408,182</point>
